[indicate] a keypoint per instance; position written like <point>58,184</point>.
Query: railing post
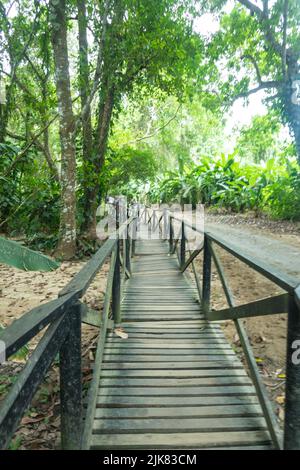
<point>165,225</point>
<point>206,276</point>
<point>116,287</point>
<point>154,221</point>
<point>171,235</point>
<point>124,253</point>
<point>134,234</point>
<point>71,383</point>
<point>292,388</point>
<point>182,246</point>
<point>117,215</point>
<point>127,249</point>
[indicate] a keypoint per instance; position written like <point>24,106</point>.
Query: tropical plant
<point>14,254</point>
<point>273,187</point>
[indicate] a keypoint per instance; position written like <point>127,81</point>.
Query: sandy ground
<point>21,291</point>
<point>267,334</point>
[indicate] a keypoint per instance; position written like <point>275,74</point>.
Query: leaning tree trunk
<point>291,101</point>
<point>92,188</point>
<point>294,120</point>
<point>67,241</point>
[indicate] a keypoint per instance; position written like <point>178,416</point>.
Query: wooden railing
<point>63,318</point>
<point>288,302</point>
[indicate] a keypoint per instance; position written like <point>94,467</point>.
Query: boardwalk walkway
<point>175,383</point>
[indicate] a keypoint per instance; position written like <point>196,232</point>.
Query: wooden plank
<point>166,358</point>
<point>122,345</point>
<point>140,328</point>
<point>199,329</point>
<point>248,447</point>
<point>217,411</point>
<point>175,324</point>
<point>178,336</point>
<point>209,400</point>
<point>141,318</point>
<point>174,374</point>
<point>173,425</point>
<point>161,308</point>
<point>164,288</point>
<point>173,365</point>
<point>177,391</point>
<point>197,325</point>
<point>166,352</point>
<point>160,301</point>
<point>171,299</point>
<point>174,382</point>
<point>195,440</point>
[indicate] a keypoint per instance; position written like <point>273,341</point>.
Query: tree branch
<point>156,131</point>
<point>263,17</point>
<point>262,86</point>
<point>37,73</point>
<point>266,8</point>
<point>98,71</point>
<point>284,36</point>
<point>255,65</point>
<point>252,7</point>
<point>32,142</point>
<point>48,158</point>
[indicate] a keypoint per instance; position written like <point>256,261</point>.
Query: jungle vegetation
<point>133,97</point>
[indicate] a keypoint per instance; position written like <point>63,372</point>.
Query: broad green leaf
<point>14,254</point>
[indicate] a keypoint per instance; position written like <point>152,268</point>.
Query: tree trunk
<point>92,188</point>
<point>67,241</point>
<point>84,85</point>
<point>292,101</point>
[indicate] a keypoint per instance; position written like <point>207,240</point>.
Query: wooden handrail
<point>63,315</point>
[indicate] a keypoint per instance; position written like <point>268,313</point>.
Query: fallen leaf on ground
<point>30,420</point>
<point>280,399</point>
<point>281,414</point>
<point>281,376</point>
<point>121,333</point>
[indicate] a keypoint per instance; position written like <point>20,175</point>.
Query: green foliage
<point>127,163</point>
<point>257,48</point>
<point>16,443</point>
<point>259,141</point>
<point>272,187</point>
<point>282,196</point>
<point>14,254</point>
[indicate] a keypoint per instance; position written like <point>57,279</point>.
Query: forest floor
<point>21,291</point>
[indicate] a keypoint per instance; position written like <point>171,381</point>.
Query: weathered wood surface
<point>175,382</point>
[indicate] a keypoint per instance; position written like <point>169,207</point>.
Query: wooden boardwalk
<point>175,383</point>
